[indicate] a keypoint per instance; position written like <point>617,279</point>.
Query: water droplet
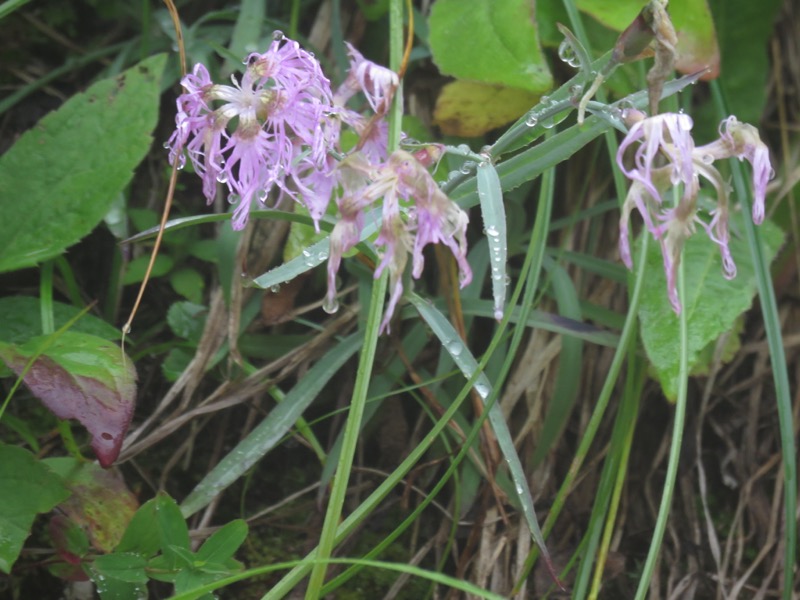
<point>330,306</point>
<point>322,255</point>
<point>467,167</point>
<point>464,149</point>
<point>483,389</point>
<point>263,194</point>
<point>234,198</point>
<point>544,100</point>
<point>566,53</point>
<point>222,177</point>
<point>492,231</point>
<point>277,35</point>
<point>275,288</point>
<point>707,159</point>
<point>498,314</point>
<point>576,90</point>
<point>306,253</point>
<point>455,347</point>
<point>532,120</point>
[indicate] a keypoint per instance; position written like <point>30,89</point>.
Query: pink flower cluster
<point>666,157</point>
<point>279,127</point>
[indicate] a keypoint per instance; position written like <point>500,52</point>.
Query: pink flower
<point>376,82</point>
<point>431,217</point>
<point>277,113</point>
<point>666,157</point>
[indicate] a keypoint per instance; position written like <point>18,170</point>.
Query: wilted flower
<point>277,111</point>
<point>431,217</point>
<point>378,83</point>
<point>666,157</point>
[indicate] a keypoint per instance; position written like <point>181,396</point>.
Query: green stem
<point>772,326</point>
<point>366,358</point>
<point>675,447</point>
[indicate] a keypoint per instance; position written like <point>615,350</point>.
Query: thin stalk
<point>675,447</point>
<point>780,375</point>
<point>627,337</point>
<point>628,410</point>
<point>341,480</point>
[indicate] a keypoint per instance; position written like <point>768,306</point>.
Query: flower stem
<point>675,447</point>
<point>366,358</point>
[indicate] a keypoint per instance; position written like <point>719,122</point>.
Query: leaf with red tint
<point>101,505</point>
<point>84,377</point>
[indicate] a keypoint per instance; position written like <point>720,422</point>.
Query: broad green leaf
<point>745,28</point>
<point>100,504</point>
<point>697,39</point>
<point>22,320</point>
<point>713,303</point>
<point>471,108</point>
<point>224,543</point>
<point>489,41</point>
<point>123,566</point>
<point>84,377</point>
<point>29,487</point>
<point>172,529</point>
<point>61,177</point>
<point>141,535</point>
<point>111,588</point>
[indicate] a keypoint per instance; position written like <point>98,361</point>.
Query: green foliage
<point>61,177</point>
<point>489,42</point>
<point>29,488</point>
<point>156,545</point>
<point>713,303</point>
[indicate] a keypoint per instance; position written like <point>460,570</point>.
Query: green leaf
<point>137,268</point>
<point>745,28</point>
<point>29,487</point>
<point>189,284</point>
<point>100,504</point>
<point>713,303</point>
<point>224,543</point>
<point>489,41</point>
<point>123,566</point>
<point>172,529</point>
<point>61,177</point>
<point>80,376</point>
<point>187,320</point>
<point>494,223</point>
<point>141,536</point>
<point>22,320</point>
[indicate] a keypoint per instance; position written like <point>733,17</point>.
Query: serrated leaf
<point>100,504</point>
<point>712,303</point>
<point>471,108</point>
<point>84,377</point>
<point>489,41</point>
<point>29,487</point>
<point>61,177</point>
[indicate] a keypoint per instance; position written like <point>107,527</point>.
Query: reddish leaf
<point>101,505</point>
<point>84,377</point>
